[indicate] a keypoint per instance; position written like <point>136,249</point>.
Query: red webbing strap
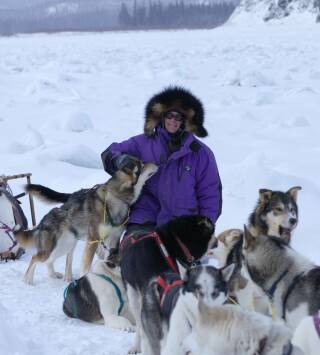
<point>166,287</point>
<point>152,235</point>
<point>185,250</point>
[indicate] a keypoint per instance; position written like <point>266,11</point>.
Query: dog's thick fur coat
<point>164,332</point>
<point>91,215</point>
<point>144,260</point>
<point>288,278</point>
<point>230,330</point>
<point>228,250</point>
<point>94,298</point>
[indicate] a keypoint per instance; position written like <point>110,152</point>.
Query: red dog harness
<point>166,286</point>
<point>132,239</point>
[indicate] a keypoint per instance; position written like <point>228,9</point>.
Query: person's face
<point>172,121</point>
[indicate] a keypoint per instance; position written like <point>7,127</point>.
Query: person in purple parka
<point>187,182</point>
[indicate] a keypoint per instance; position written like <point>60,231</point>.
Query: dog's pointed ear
<point>248,238</point>
<point>293,192</point>
<point>227,272</point>
<point>183,272</point>
<point>206,222</point>
<point>265,195</point>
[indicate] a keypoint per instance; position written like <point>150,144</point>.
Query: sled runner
<point>11,214</point>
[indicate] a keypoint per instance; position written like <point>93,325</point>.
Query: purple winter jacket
<point>187,182</point>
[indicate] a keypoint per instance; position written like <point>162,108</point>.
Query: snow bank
<point>75,154</point>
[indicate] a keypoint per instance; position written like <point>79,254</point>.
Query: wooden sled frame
<point>5,179</point>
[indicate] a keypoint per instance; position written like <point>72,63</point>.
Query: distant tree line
<point>37,21</point>
<point>90,18</point>
<point>174,15</point>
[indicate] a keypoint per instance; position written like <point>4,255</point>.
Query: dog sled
<point>12,214</point>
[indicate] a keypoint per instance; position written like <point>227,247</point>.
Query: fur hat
<point>179,99</point>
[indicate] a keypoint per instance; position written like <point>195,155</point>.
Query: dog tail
<point>25,238</point>
<point>46,194</point>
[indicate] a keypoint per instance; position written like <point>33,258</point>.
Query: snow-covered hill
<point>278,9</point>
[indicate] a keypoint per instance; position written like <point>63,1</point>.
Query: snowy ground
<point>65,97</point>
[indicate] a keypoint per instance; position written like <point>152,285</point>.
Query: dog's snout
<point>292,221</point>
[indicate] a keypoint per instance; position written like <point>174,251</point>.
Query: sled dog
<point>228,329</point>
<point>228,250</point>
<point>307,335</point>
<point>276,213</point>
<point>146,255</point>
<point>91,214</point>
<point>290,281</point>
<point>99,296</point>
<point>169,312</point>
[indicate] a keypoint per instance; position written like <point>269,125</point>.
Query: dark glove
<point>125,161</point>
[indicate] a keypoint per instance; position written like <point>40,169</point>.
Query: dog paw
<point>68,278</point>
<point>153,170</point>
<point>150,169</point>
<point>28,280</point>
<point>134,350</point>
<point>56,275</point>
<point>129,329</point>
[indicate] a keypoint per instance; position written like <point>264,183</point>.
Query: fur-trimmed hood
<point>175,98</point>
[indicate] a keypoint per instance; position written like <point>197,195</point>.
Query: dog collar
<point>273,288</point>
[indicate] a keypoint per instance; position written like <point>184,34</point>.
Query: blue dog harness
<point>108,279</point>
<point>116,288</point>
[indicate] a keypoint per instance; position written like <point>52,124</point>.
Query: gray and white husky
<point>167,323</point>
<point>89,214</point>
<point>231,330</point>
<point>291,282</point>
<point>276,213</point>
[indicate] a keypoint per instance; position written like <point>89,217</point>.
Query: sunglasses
<point>177,116</point>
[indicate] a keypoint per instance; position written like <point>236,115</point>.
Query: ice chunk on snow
<point>78,155</point>
<point>296,122</point>
<point>79,122</point>
<point>250,79</point>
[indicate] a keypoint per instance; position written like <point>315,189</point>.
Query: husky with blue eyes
<point>170,306</point>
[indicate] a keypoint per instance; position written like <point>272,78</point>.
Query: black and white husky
<point>145,255</point>
<point>100,297</point>
<point>291,281</point>
<point>170,312</point>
